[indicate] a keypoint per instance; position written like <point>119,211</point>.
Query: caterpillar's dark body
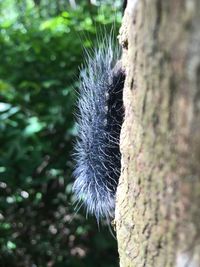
<point>100,116</point>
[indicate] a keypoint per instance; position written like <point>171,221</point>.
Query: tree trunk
<point>158,197</point>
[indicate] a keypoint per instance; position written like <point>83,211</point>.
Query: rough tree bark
<point>158,197</point>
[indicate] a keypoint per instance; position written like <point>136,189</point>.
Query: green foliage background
<point>41,46</point>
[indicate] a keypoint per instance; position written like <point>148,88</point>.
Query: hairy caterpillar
<point>100,116</point>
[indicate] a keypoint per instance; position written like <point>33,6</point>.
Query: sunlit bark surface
<point>158,198</point>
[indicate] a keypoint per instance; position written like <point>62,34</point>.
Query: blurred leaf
<point>4,106</point>
<point>11,245</point>
<point>11,111</point>
<point>34,126</point>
